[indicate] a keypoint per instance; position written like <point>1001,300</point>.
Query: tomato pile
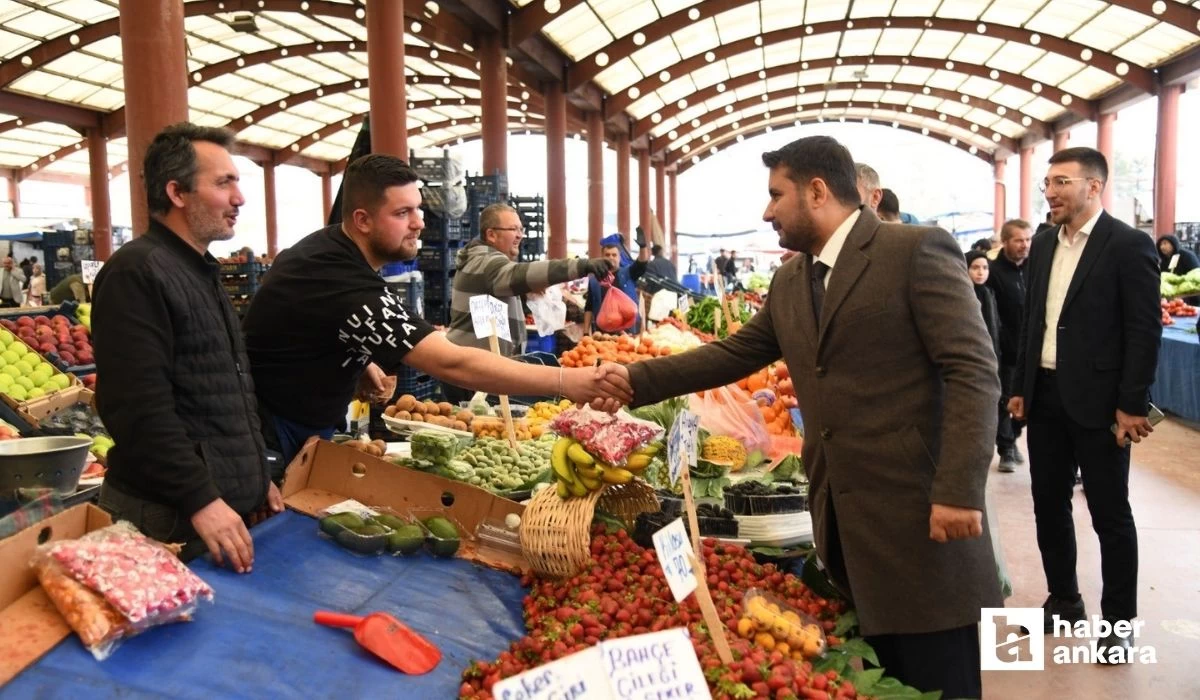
<point>625,349</point>
<point>624,593</point>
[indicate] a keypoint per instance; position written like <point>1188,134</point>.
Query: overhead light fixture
<point>244,22</point>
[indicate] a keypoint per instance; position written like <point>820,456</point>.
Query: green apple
<point>25,382</point>
<point>9,356</point>
<point>5,380</point>
<point>38,379</point>
<point>59,381</point>
<point>12,371</point>
<point>25,367</point>
<point>16,392</point>
<point>36,392</point>
<point>19,348</point>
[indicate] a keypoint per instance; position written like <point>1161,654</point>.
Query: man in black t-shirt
<point>324,326</point>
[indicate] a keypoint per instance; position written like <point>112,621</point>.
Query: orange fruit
<point>745,628</point>
<point>764,640</point>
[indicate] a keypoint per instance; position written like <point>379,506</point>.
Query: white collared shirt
<point>1062,270</point>
<point>833,247</point>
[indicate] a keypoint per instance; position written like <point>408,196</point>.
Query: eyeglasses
<point>1059,182</point>
<point>518,229</point>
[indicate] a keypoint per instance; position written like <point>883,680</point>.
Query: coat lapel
<point>1097,239</point>
<point>850,265</point>
<point>808,325</point>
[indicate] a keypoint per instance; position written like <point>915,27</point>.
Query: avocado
<point>406,539</point>
<point>441,528</point>
<point>389,521</point>
<point>443,547</point>
<point>368,539</point>
<point>333,524</point>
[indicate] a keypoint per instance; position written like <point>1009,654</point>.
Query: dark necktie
<point>817,278</point>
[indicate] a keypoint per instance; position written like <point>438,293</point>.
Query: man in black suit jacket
<point>1088,351</point>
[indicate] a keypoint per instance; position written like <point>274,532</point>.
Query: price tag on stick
<point>674,552</point>
<point>579,676</point>
<point>89,269</point>
<point>486,310</point>
<point>681,443</point>
<point>504,409</point>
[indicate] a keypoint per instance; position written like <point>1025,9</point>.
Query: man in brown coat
<point>898,387</point>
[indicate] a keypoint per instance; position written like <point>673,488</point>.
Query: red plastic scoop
<point>387,638</point>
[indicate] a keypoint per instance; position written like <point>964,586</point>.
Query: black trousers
<point>1008,429</point>
<point>947,660</point>
<point>1057,445</point>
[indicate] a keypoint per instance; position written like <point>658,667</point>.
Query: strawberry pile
<point>624,593</point>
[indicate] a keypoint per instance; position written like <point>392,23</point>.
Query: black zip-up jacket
<point>177,395</point>
<point>1007,281</point>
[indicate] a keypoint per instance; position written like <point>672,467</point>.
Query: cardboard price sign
<point>486,310</point>
<point>674,550</point>
<point>656,665</point>
<point>681,443</point>
<point>89,269</point>
<point>575,677</point>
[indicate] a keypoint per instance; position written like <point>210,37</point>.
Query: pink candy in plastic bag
<point>609,437</point>
<point>136,583</point>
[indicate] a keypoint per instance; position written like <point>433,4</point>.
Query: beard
<point>799,235</point>
<point>392,252</point>
<point>207,225</point>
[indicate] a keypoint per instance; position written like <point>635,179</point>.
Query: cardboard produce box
<point>323,474</point>
<point>30,625</point>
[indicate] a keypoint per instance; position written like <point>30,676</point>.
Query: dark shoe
<point>1020,458</point>
<point>1008,460</point>
<point>1107,649</point>
<point>1069,612</point>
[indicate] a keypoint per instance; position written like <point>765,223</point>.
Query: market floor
<point>1164,485</point>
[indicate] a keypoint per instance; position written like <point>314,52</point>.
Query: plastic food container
<point>775,626</point>
<point>741,504</point>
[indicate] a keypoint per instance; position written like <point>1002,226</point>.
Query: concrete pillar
<point>98,186</point>
<point>624,154</point>
<point>1000,204</point>
<point>1060,140</point>
<point>1104,144</point>
<point>1027,183</point>
<point>1166,155</point>
<point>385,73</point>
<point>326,195</point>
<point>595,135</point>
<point>660,199</point>
<point>156,83</point>
<point>672,229</point>
<point>493,87</point>
<point>269,207</point>
<point>556,170</point>
<point>14,194</point>
<point>644,192</point>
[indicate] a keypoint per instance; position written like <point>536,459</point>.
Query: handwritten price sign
<point>672,545</point>
<point>486,309</point>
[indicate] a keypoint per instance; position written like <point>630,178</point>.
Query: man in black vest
<point>189,463</point>
<point>1007,281</point>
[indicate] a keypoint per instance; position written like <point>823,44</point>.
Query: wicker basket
<point>555,533</point>
<point>627,501</point>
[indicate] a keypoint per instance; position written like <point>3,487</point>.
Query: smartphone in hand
<point>1155,416</point>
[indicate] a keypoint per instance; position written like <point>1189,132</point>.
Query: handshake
<point>604,388</point>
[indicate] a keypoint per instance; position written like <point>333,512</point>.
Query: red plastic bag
<point>617,312</point>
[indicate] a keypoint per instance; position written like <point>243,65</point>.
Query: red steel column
<point>1165,156</point>
<point>493,97</point>
<point>1104,144</point>
<point>156,82</point>
<point>269,207</point>
<point>14,194</point>
<point>644,191</point>
<point>1060,140</point>
<point>595,134</point>
<point>999,207</point>
<point>385,74</point>
<point>1026,183</point>
<point>623,156</point>
<point>326,194</point>
<point>660,199</point>
<point>98,180</point>
<point>556,170</point>
<point>672,229</point>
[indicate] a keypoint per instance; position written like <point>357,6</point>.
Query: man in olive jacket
<point>898,388</point>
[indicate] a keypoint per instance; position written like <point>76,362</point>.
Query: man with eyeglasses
<point>488,265</point>
<point>1086,359</point>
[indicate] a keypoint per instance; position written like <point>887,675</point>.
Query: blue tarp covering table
<point>1177,380</point>
<point>258,640</point>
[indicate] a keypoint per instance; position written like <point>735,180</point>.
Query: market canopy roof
<point>682,77</point>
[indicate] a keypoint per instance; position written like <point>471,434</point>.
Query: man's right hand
<point>600,267</point>
<point>222,530</point>
<point>1016,406</point>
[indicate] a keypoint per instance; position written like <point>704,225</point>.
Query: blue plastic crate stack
<point>241,280</point>
<point>532,211</point>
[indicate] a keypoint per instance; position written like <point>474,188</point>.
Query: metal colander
<point>43,462</point>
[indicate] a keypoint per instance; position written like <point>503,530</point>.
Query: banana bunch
<point>578,473</point>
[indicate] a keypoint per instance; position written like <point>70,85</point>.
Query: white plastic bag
<point>549,311</point>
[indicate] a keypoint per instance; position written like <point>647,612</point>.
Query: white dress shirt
<point>833,247</point>
<point>1062,270</point>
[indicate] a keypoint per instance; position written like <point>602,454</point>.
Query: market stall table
<point>258,639</point>
<point>1177,379</point>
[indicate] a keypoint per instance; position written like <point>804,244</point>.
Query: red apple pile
<point>55,335</point>
<point>623,592</point>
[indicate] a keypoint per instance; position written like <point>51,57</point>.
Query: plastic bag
<point>723,413</point>
<point>617,312</point>
<point>608,437</point>
<point>774,625</point>
<point>549,311</point>
<point>114,583</point>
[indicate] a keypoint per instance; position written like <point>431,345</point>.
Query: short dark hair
<point>819,156</point>
<point>889,203</point>
<point>983,244</point>
<point>172,156</point>
<point>1010,226</point>
<point>656,249</point>
<point>368,178</point>
<point>1093,162</point>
